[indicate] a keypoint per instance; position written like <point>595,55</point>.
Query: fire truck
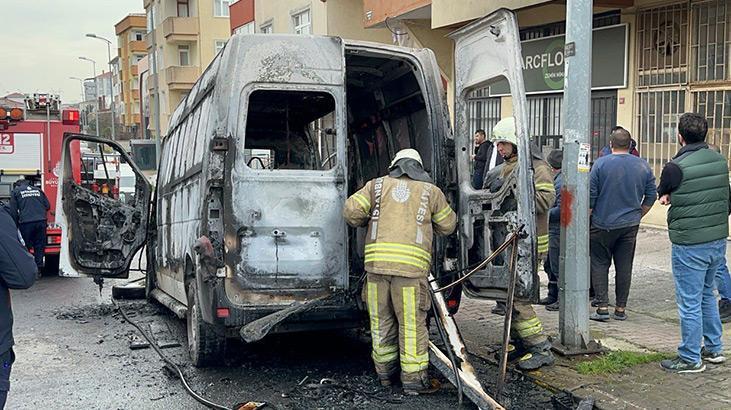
<point>30,146</point>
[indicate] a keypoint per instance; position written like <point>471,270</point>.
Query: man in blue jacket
<point>622,191</point>
<point>17,271</point>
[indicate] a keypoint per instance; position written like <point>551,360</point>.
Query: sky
<point>43,39</point>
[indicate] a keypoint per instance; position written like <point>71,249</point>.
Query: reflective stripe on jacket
<point>545,196</point>
<point>401,215</point>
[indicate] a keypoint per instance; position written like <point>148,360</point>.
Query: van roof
<point>271,58</point>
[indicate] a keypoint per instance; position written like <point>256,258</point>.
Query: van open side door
<point>101,231</point>
<point>486,51</point>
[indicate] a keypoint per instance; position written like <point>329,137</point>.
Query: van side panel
<point>180,201</point>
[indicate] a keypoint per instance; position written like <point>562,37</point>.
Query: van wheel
<point>206,343</point>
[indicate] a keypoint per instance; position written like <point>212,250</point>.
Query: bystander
<point>696,186</point>
<point>622,191</point>
<point>551,264</point>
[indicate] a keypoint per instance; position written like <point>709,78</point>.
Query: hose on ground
<point>200,399</point>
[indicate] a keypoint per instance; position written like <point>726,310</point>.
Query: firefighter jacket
<point>545,195</point>
<point>401,215</point>
<point>28,204</point>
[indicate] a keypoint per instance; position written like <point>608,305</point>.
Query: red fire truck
<point>30,145</point>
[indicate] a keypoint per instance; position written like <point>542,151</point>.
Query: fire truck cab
<point>30,146</point>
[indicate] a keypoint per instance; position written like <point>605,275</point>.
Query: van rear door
<point>287,174</point>
<point>486,51</point>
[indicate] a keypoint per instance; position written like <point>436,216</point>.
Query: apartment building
<point>242,17</point>
<point>182,38</point>
<point>652,61</point>
<point>131,49</point>
<point>340,18</point>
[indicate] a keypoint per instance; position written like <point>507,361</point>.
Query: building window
<point>220,8</point>
<point>483,112</point>
<point>247,28</point>
<point>662,46</point>
<point>219,45</point>
<point>716,107</point>
<point>657,117</point>
<point>710,40</point>
<point>183,10</point>
<point>266,28</point>
<point>138,58</point>
<point>301,22</point>
<point>184,55</point>
<point>136,35</point>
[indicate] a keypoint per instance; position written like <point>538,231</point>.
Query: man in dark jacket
<point>551,264</point>
<point>17,271</point>
<point>29,208</point>
<point>486,158</point>
<point>695,184</point>
<point>607,150</point>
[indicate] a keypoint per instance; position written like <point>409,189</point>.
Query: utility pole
<point>96,93</point>
<point>111,74</point>
<point>574,260</point>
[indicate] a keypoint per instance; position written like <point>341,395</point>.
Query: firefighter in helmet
<point>531,346</point>
<point>401,211</point>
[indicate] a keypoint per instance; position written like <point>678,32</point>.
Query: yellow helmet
<point>409,153</point>
<point>504,131</point>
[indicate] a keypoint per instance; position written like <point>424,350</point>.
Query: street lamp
<point>111,86</point>
<point>96,92</point>
<point>81,83</point>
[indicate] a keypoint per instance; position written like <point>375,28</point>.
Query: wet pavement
<point>73,351</point>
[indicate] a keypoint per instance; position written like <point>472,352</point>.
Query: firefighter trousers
<point>526,326</point>
<point>397,308</point>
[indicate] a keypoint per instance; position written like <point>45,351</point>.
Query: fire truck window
<point>290,130</point>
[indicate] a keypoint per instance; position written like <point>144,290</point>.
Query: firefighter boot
<point>420,385</point>
<point>537,356</point>
<point>516,350</point>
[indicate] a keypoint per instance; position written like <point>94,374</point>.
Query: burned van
<point>244,230</point>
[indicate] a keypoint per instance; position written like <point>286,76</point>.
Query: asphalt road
<point>73,352</point>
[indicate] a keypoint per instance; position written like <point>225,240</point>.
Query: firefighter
<point>29,208</point>
<point>401,210</point>
<point>531,347</point>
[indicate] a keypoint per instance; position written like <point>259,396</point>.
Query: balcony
<point>181,78</point>
<point>137,46</point>
<point>149,39</point>
<point>180,28</point>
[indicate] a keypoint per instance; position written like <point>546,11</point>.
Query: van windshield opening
<point>288,129</point>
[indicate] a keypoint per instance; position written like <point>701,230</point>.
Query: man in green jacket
<point>696,186</point>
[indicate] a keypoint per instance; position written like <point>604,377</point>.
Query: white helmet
<point>504,131</point>
<point>409,153</point>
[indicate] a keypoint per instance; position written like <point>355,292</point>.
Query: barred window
<point>716,106</point>
<point>483,111</point>
<point>662,46</point>
<point>710,40</point>
<point>657,118</point>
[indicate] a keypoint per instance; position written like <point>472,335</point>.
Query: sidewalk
<point>652,326</point>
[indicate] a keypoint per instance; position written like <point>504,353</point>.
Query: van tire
<point>206,342</point>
